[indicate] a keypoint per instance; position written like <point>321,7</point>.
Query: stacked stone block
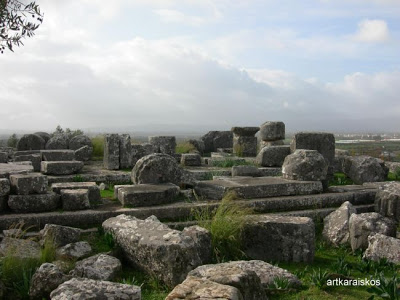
<point>117,152</point>
<point>272,133</point>
<point>217,139</point>
<point>244,141</point>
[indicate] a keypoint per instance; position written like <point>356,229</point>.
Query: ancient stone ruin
<point>51,184</point>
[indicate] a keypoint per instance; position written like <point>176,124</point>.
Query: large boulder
<point>163,144</point>
<point>305,165</point>
<point>58,141</point>
<point>272,131</point>
<point>362,225</point>
<point>157,168</point>
<point>98,267</point>
<point>272,156</point>
<point>336,224</point>
<point>83,288</point>
<point>30,142</point>
<point>161,252</point>
<point>46,279</point>
<point>365,168</point>
<point>387,201</point>
<point>383,247</point>
<point>217,139</point>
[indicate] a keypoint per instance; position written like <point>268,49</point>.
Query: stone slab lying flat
<point>147,194</point>
<point>259,187</point>
<point>58,155</point>
<point>34,203</point>
<point>61,167</point>
<point>308,205</point>
<point>11,168</point>
<point>202,173</point>
<point>92,187</point>
<point>25,184</point>
<point>35,159</point>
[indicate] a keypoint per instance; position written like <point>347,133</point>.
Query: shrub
<point>225,224</point>
<point>185,147</point>
<point>319,278</point>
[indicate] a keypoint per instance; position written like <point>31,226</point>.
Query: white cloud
<point>372,31</point>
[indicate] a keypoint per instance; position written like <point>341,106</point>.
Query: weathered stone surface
<point>59,235</point>
<point>245,131</point>
<point>92,187</point>
<point>163,144</point>
<point>98,267</point>
<point>271,143</point>
<point>387,201</point>
<point>198,144</point>
<point>111,152</point>
<point>383,247</point>
<point>3,157</point>
<point>75,199</point>
<point>202,238</point>
<point>4,186</point>
<point>148,194</point>
<point>191,159</point>
<point>58,141</point>
<point>36,160</point>
<point>14,168</point>
<point>83,288</point>
<point>30,142</point>
<point>364,169</point>
<point>34,203</point>
<point>80,141</point>
<point>245,146</point>
<point>246,281</point>
<point>75,251</point>
<point>61,167</point>
<point>160,251</point>
<point>266,272</point>
<point>58,155</point>
<point>26,152</point>
<point>256,187</point>
<point>125,151</point>
<point>26,184</point>
<point>336,224</point>
<point>46,279</point>
<point>19,248</point>
<point>270,171</point>
<point>117,187</point>
<point>362,225</point>
<point>83,153</point>
<point>44,135</point>
<point>307,165</point>
<point>323,142</point>
<point>217,139</point>
<point>272,131</point>
<point>157,168</point>
<point>272,156</point>
<point>200,288</point>
<point>246,171</point>
<point>141,150</point>
<point>339,160</point>
<point>279,238</point>
<point>14,233</point>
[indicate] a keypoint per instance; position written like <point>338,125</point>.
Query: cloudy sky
<point>331,65</point>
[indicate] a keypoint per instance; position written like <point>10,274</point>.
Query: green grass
<point>185,147</point>
<point>107,193</point>
<point>98,147</point>
<point>229,163</point>
<point>340,179</point>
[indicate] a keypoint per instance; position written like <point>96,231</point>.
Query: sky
<point>165,65</point>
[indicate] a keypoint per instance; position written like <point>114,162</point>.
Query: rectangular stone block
<point>58,155</point>
<point>245,146</point>
<point>3,157</point>
<point>119,186</point>
<point>148,194</point>
<point>4,187</point>
<point>92,187</point>
<point>61,167</point>
<point>191,159</point>
<point>34,203</point>
<point>36,159</point>
<point>256,187</point>
<point>75,199</point>
<point>33,183</point>
<point>279,238</point>
<point>125,151</point>
<point>14,168</point>
<point>111,152</point>
<point>26,152</point>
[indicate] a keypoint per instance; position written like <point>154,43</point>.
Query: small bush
<point>225,224</point>
<point>185,147</point>
<point>48,252</point>
<point>98,147</point>
<point>319,278</point>
<point>341,266</point>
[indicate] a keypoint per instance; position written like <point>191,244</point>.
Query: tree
<point>12,141</point>
<point>17,21</point>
